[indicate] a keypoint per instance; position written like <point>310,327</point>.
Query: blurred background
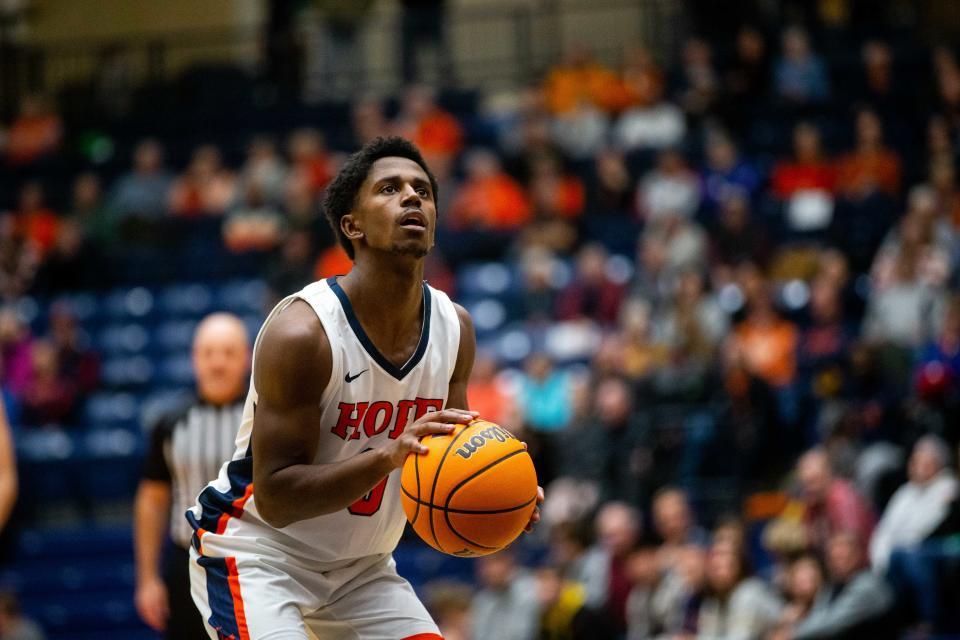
<point>710,248</point>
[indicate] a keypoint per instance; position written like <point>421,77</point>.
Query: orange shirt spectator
<point>767,344</point>
<point>555,194</point>
<point>487,395</point>
<point>36,133</point>
<point>489,198</point>
<point>437,133</point>
<point>581,79</point>
<point>207,188</point>
<point>871,166</point>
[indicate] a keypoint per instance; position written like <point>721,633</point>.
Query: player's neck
<point>391,291</point>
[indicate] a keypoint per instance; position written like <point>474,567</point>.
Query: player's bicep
<point>291,369</point>
<point>457,391</point>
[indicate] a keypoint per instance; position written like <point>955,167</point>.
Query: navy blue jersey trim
<point>397,372</point>
<point>214,503</point>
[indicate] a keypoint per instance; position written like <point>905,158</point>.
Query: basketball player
<point>294,538</point>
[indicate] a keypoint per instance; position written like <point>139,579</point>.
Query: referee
<point>186,451</point>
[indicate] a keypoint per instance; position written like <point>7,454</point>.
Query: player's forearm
<point>304,491</point>
<point>150,523</point>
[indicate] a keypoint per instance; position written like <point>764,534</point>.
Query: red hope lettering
<point>370,420</point>
<point>350,416</point>
<point>375,417</point>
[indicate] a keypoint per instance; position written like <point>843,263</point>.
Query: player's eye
<point>388,189</point>
<point>423,193</point>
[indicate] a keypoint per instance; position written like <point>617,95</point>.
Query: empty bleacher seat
<point>112,410</point>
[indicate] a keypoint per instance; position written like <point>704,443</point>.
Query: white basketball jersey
<point>367,402</point>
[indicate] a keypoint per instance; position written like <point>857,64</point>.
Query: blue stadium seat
<point>126,338</point>
<point>191,300</point>
<point>128,372</point>
<point>105,410</point>
<point>175,336</point>
<point>243,296</point>
<point>132,303</point>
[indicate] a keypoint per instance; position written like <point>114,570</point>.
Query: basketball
<point>473,492</point>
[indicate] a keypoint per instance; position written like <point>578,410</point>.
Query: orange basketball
<point>473,492</point>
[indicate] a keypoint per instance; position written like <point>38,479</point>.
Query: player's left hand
<point>535,518</point>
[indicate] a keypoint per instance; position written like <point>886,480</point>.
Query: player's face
<point>396,211</point>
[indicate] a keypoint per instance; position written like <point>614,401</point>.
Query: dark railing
<point>506,44</point>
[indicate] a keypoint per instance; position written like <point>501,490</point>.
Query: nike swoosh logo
<point>349,378</point>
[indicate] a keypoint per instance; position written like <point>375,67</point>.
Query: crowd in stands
<point>733,337</point>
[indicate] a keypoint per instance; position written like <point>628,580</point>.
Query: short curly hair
<point>342,193</point>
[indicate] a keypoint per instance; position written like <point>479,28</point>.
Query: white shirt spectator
<point>914,511</point>
<point>657,127</point>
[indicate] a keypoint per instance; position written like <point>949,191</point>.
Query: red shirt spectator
<point>35,221</point>
<point>591,294</point>
<point>831,504</point>
<point>808,169</point>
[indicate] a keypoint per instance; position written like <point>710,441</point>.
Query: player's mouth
<point>413,219</point>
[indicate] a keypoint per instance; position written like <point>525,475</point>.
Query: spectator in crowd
<point>581,131</point>
<point>580,78</point>
<point>660,125</point>
<point>368,120</point>
<point>544,401</point>
<point>9,486</point>
<point>736,235</point>
<point>804,584</point>
<point>435,131</point>
<point>488,394</point>
<point>35,220</point>
<point>604,573</point>
<point>489,198</point>
<point>506,607</point>
<point>641,353</point>
<point>591,293</point>
<point>16,345</point>
<point>205,188</point>
<point>854,602</point>
<point>871,167</point>
<point>78,360</point>
<point>36,134</point>
<point>937,371</point>
<point>735,604</point>
<point>98,223</point>
<point>554,193</point>
<point>831,505</point>
<point>292,269</point>
<point>675,526</point>
<point>697,84</point>
<point>311,165</point>
<point>726,173</point>
<point>13,624</point>
<point>253,224</point>
<point>449,605</point>
<point>645,576</point>
<point>800,75</point>
<point>764,341</point>
<point>919,506</point>
<point>144,191</point>
<point>185,452</point>
<point>670,189</point>
<point>562,616</point>
<point>677,601</point>
<point>264,168</point>
<point>50,397</point>
<point>747,77</point>
<point>809,169</point>
<point>19,259</point>
<point>880,86</point>
<point>641,77</point>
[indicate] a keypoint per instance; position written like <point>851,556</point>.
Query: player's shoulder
<point>466,322</point>
<point>295,328</point>
<point>293,350</point>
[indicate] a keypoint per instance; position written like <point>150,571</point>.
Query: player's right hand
<point>152,605</point>
<point>435,422</point>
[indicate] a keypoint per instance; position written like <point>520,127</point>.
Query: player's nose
<point>410,196</point>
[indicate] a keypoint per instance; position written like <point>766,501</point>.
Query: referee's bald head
<point>221,358</point>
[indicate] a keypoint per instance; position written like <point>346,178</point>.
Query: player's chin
<point>411,249</point>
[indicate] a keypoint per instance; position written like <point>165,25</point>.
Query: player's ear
<point>351,227</point>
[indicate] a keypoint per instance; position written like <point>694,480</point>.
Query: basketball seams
<point>467,511</point>
<point>416,470</point>
<point>460,485</point>
<point>436,478</point>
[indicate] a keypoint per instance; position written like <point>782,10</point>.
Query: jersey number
<point>370,503</point>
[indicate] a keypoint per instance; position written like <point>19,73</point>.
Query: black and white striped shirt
<point>187,449</point>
